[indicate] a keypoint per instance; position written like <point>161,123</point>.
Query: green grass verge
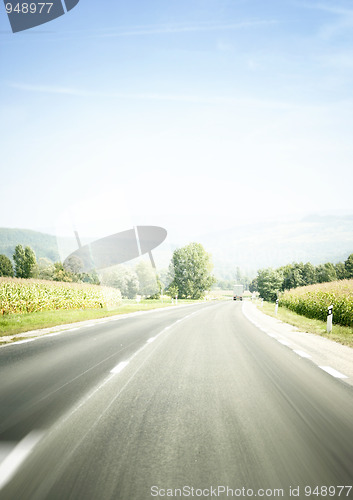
<point>340,334</point>
<point>12,324</point>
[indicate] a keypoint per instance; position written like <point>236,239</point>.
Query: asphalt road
<point>193,397</point>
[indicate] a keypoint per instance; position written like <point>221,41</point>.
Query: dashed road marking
<point>17,456</point>
<point>333,372</point>
<point>284,342</point>
<point>302,354</point>
<point>119,367</point>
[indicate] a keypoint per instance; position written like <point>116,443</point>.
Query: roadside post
<point>262,302</point>
<point>276,308</point>
<point>329,319</point>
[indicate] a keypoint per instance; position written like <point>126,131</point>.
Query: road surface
<point>188,401</point>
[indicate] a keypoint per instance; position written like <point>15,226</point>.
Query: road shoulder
<point>334,358</point>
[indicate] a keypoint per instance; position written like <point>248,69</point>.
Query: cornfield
<point>19,296</point>
<point>312,301</point>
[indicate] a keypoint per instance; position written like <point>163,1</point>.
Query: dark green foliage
<point>253,287</point>
<point>6,268</point>
<point>269,283</point>
<point>309,274</point>
<point>190,269</point>
<point>25,262</point>
<point>29,262</point>
<point>325,273</point>
<point>349,266</point>
<point>341,271</point>
<point>298,274</point>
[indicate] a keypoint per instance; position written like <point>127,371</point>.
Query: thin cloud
<point>158,96</point>
<point>185,28</point>
<point>49,89</point>
<point>328,8</point>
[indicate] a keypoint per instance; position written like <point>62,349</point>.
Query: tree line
<point>270,282</point>
<point>189,274</point>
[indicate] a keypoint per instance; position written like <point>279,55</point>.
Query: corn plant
<point>19,296</point>
<point>312,301</point>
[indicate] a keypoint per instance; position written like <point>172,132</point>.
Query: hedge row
<point>312,301</point>
<point>18,296</point>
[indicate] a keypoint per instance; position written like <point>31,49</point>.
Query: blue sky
<point>186,114</point>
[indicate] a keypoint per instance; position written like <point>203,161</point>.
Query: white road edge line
<point>152,339</point>
<point>302,354</point>
<point>284,342</point>
<point>333,372</point>
<point>119,367</point>
<point>327,369</point>
<point>18,455</point>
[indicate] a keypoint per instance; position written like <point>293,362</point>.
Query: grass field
<point>340,334</point>
<point>13,324</point>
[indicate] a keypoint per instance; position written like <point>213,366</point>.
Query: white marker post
<point>276,308</point>
<point>329,319</point>
<point>262,302</point>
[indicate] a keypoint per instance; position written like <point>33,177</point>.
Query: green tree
<point>25,261</point>
<point>309,274</point>
<point>19,259</point>
<point>326,272</point>
<point>253,286</point>
<point>149,285</point>
<point>191,268</point>
<point>44,269</point>
<point>124,279</point>
<point>73,264</point>
<point>293,275</point>
<point>61,274</point>
<point>348,264</point>
<point>340,271</point>
<point>269,283</point>
<point>91,278</point>
<point>30,262</point>
<point>6,268</point>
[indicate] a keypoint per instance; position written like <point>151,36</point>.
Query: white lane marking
<point>302,354</point>
<point>284,342</point>
<point>86,398</point>
<point>272,335</point>
<point>17,456</point>
<point>73,329</point>
<point>119,367</point>
<point>333,372</point>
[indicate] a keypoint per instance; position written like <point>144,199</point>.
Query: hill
<point>312,239</point>
<point>44,245</point>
